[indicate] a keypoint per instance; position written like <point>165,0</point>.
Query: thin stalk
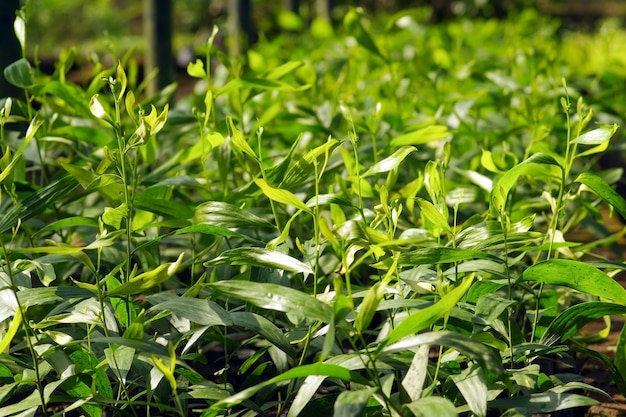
<point>29,332</point>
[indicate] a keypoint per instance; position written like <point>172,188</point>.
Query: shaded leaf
<point>604,190</point>
<point>544,402</point>
<point>20,73</point>
<point>203,312</point>
<point>264,328</point>
<point>352,403</point>
<point>575,317</point>
<point>432,406</point>
<point>37,202</point>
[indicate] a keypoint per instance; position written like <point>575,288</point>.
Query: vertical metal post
<point>157,26</point>
<point>10,50</point>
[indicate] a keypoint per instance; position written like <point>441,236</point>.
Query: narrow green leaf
<point>208,229</point>
<point>227,215</point>
<point>620,359</point>
<point>599,137</point>
<point>391,162</point>
<point>426,134</point>
<point>202,312</point>
<point>472,384</point>
<point>280,195</point>
<point>368,307</point>
<point>85,134</point>
<point>302,168</point>
<point>433,215</point>
<point>276,297</point>
<point>147,280</point>
<point>352,403</point>
<point>432,406</point>
<point>467,346</point>
<point>354,27</point>
<point>421,319</point>
<point>604,191</point>
<point>264,328</point>
<point>442,255</point>
<point>35,124</point>
<point>574,318</point>
<point>164,207</point>
<point>264,258</point>
<point>237,141</point>
<point>538,165</point>
<point>544,402</point>
<point>37,202</point>
<point>322,369</point>
<point>576,275</point>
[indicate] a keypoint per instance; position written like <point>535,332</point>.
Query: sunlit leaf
<point>147,280</point>
<point>227,215</point>
<point>260,257</point>
<point>576,275</point>
<point>332,371</point>
<point>538,165</point>
<point>391,162</point>
<point>276,297</point>
<point>280,195</point>
<point>420,136</point>
<point>20,73</point>
<point>421,319</point>
<point>599,137</point>
<point>479,352</point>
<point>473,386</point>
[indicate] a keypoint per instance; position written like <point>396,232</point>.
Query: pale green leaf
<point>237,141</point>
<point>543,402</point>
<point>280,195</point>
<point>196,69</point>
<point>202,312</point>
<point>420,320</point>
<point>430,212</point>
<point>420,136</point>
<point>472,384</point>
<point>599,137</point>
<point>391,162</point>
<point>432,406</point>
<point>352,403</point>
<point>147,280</point>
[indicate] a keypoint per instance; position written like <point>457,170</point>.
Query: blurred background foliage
<point>115,26</point>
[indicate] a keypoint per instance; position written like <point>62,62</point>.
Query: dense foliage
<point>372,222</point>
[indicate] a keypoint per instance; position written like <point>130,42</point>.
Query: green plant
<point>274,244</point>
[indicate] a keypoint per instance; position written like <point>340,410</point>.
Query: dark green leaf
<point>577,275</point>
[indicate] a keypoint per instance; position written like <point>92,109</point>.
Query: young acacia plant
<point>382,218</point>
